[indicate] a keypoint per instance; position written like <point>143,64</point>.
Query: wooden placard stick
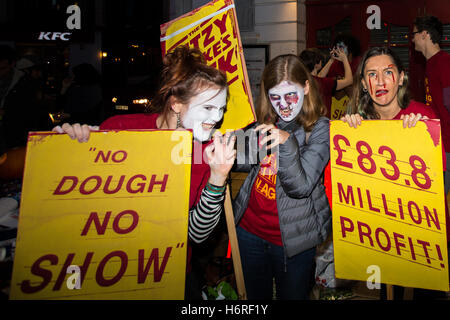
<point>390,292</point>
<point>408,293</point>
<point>234,246</point>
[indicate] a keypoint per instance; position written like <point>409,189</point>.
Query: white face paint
<point>205,110</point>
<point>287,100</point>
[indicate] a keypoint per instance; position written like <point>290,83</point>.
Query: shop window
<point>389,34</point>
<point>245,11</point>
<point>393,36</point>
<point>445,41</point>
<point>343,27</point>
<point>379,37</point>
<point>326,35</point>
<point>403,54</point>
<point>399,42</point>
<point>399,35</point>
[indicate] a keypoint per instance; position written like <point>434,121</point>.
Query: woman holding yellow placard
<point>192,96</point>
<point>381,92</point>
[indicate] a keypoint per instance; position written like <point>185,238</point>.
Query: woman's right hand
<point>353,120</point>
<point>76,131</point>
<point>339,54</point>
<point>221,155</point>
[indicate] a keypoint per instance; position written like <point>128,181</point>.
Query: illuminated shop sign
<point>53,36</point>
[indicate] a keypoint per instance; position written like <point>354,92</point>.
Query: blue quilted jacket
<point>303,209</point>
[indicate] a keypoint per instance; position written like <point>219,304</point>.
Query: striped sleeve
<point>205,215</point>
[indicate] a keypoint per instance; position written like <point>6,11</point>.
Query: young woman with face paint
<point>381,92</point>
<point>192,96</point>
<point>282,211</point>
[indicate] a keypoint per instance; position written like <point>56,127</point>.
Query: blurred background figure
<point>427,36</point>
<point>334,69</point>
<point>20,97</point>
<point>35,75</point>
<point>313,59</point>
<point>81,95</point>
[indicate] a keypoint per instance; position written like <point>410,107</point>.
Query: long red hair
<point>184,74</point>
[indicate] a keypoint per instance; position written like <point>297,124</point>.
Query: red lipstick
<point>380,92</point>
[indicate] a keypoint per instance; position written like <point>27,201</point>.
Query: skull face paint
<point>287,100</point>
<point>204,111</point>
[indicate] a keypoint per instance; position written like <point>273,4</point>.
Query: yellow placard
<point>388,203</point>
<point>213,29</point>
<point>338,107</point>
<point>105,219</point>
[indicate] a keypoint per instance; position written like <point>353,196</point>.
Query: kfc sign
<point>49,36</point>
<point>73,22</point>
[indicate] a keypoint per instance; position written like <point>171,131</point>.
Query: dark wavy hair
<point>361,102</point>
<point>432,25</point>
<point>290,68</point>
<point>183,76</point>
<point>310,57</point>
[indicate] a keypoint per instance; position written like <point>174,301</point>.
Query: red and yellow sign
<point>388,203</point>
<point>428,97</point>
<point>98,220</point>
<point>338,107</point>
<point>213,29</point>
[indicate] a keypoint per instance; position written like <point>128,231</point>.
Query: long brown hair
<point>290,68</point>
<point>184,74</point>
<point>361,102</point>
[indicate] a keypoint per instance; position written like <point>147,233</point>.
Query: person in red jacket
<point>427,33</point>
<point>192,96</point>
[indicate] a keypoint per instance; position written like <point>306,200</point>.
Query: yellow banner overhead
<point>213,29</point>
<point>389,218</point>
<point>98,220</point>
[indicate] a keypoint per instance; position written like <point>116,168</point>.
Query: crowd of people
<point>278,232</point>
<point>27,103</point>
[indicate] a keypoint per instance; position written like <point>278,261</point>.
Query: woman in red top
<point>192,96</point>
<point>381,92</point>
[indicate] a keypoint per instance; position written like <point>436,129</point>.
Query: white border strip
<point>196,23</point>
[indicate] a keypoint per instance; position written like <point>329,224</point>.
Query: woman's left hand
<point>353,120</point>
<point>410,120</point>
<point>221,155</point>
<point>276,136</point>
<point>76,131</point>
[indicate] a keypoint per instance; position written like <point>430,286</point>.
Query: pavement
<point>359,291</point>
